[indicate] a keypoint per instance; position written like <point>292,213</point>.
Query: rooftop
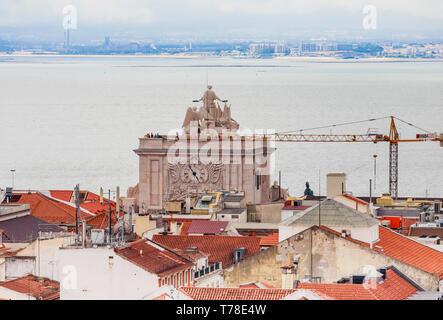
<point>299,208</point>
<point>49,210</point>
<point>231,211</point>
<point>426,231</point>
<point>331,213</point>
<point>153,257</point>
<point>202,293</point>
<point>25,229</point>
<point>269,240</point>
<point>394,287</point>
<point>207,227</point>
<point>220,248</point>
<point>406,250</point>
<point>39,288</point>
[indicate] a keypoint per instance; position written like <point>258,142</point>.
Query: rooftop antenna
<point>12,173</point>
<point>102,201</point>
<point>77,212</point>
<point>375,171</point>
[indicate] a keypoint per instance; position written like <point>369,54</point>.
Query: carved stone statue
<point>208,99</point>
<point>308,191</point>
<point>210,115</point>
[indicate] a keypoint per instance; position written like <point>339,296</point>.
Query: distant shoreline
<point>291,58</point>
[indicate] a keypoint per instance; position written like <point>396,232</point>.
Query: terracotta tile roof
<point>39,288</point>
<point>53,211</point>
<point>259,285</point>
<point>184,228</point>
<point>410,252</point>
<point>202,293</point>
<point>220,248</point>
<point>101,220</point>
<point>191,255</point>
<point>269,240</point>
<point>394,287</point>
<point>406,250</point>
<point>9,252</point>
<point>163,296</point>
<point>207,227</point>
<point>154,258</point>
<point>64,195</point>
<point>91,202</point>
<point>337,291</point>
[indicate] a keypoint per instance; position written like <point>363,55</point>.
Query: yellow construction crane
<point>393,138</point>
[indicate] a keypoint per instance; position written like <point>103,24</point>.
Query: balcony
<point>208,270</point>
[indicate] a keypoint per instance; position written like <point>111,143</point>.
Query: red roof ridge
<point>53,202</point>
<point>407,238</point>
<point>59,201</point>
<point>354,198</point>
<point>407,259</point>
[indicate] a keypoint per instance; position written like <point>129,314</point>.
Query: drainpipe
<point>84,233</point>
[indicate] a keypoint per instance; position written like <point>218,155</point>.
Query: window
<point>186,277</point>
<point>163,281</point>
<point>181,279</point>
<point>235,216</point>
<point>175,280</point>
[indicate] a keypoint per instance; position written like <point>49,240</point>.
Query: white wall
<point>285,232</point>
<point>242,217</point>
<point>8,294</point>
<point>45,253</point>
<point>214,280</point>
<point>365,234</point>
<point>92,277</point>
<point>363,208</point>
<point>18,267</point>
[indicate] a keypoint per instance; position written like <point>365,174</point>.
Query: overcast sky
<point>229,19</point>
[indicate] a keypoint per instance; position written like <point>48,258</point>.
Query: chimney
<point>188,205</point>
<point>130,219</point>
<point>165,228</point>
<point>335,184</point>
<point>437,207</point>
<point>288,277</point>
<point>174,227</point>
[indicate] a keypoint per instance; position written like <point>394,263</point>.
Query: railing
<point>204,271</point>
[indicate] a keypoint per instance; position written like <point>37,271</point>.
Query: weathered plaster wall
<point>333,257</point>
